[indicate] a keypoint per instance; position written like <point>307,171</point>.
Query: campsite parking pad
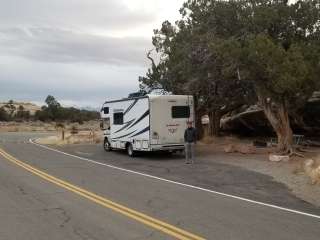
<point>205,173</point>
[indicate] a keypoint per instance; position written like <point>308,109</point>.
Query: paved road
<point>36,204</point>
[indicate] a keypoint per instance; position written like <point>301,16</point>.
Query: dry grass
<point>82,137</point>
<point>38,126</point>
<point>233,144</point>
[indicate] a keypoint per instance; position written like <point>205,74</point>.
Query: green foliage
<point>52,112</point>
<point>52,102</point>
<point>4,116</point>
<point>55,112</point>
<point>22,114</point>
<point>11,108</point>
<point>279,73</point>
<point>74,130</point>
<point>225,53</point>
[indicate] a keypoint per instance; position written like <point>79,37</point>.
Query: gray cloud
<point>68,48</point>
<point>57,45</point>
<point>25,80</point>
<point>76,14</point>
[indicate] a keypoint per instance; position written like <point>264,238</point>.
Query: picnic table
<point>297,139</point>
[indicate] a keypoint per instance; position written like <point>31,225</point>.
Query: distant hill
<point>27,106</point>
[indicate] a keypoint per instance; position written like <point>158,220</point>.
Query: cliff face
<point>251,121</point>
<point>32,108</point>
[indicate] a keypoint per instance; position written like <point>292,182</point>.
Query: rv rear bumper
<point>167,147</point>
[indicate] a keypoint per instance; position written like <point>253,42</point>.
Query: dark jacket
<point>190,135</point>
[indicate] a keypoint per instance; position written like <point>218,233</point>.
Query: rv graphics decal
<point>141,118</point>
<point>142,131</point>
<point>131,106</point>
<point>124,135</point>
<point>127,124</point>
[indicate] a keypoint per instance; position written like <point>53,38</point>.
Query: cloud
<point>75,14</point>
<point>80,51</point>
<point>24,80</point>
<point>58,45</point>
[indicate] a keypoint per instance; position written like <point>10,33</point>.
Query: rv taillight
<point>155,135</point>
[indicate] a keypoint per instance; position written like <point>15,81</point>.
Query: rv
<point>146,123</point>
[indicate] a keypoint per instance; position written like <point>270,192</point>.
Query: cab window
<point>106,110</point>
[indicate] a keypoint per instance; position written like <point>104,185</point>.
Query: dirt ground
<point>291,173</point>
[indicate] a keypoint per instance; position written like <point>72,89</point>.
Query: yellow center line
<point>133,214</point>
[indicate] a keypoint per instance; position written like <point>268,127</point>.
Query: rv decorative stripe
<point>142,117</point>
<point>124,135</point>
<point>142,131</point>
<point>127,124</point>
<point>131,106</point>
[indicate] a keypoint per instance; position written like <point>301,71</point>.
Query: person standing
<point>190,139</point>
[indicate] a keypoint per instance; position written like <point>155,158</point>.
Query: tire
<point>169,153</point>
<point>130,150</point>
<point>106,145</point>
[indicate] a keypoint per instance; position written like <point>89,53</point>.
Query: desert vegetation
<point>51,112</point>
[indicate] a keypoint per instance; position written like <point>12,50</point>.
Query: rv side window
<point>180,112</point>
<point>106,110</point>
<point>118,118</point>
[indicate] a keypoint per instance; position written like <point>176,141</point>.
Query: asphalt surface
<point>34,208</point>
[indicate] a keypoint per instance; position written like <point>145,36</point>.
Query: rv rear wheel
<point>106,145</point>
<point>130,150</point>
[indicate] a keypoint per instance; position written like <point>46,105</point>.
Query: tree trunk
<point>198,125</point>
<point>198,115</point>
<point>277,114</point>
<point>215,118</point>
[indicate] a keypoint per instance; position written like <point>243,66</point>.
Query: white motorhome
<point>147,123</point>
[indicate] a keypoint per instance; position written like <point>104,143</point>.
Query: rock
<point>246,149</point>
<point>229,148</point>
<point>312,171</point>
<point>278,158</point>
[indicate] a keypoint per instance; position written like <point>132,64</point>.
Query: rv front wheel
<point>107,145</point>
<point>130,150</point>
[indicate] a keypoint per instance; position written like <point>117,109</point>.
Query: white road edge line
<point>179,183</point>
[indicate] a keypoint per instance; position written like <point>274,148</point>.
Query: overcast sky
<point>80,51</point>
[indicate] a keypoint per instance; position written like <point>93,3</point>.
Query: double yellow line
<point>138,216</point>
